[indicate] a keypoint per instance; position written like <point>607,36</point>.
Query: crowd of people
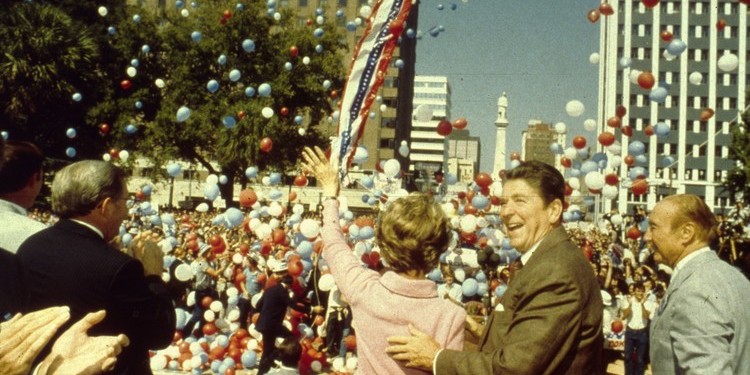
<point>138,288</point>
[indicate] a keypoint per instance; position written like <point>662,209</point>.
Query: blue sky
<point>537,51</point>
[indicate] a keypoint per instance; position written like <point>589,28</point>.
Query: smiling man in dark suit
<point>549,321</point>
<point>73,264</point>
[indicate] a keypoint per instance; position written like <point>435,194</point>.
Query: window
<point>343,3</point>
<point>701,174</point>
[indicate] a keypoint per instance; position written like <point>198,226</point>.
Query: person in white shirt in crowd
<point>20,182</point>
<point>637,311</point>
<point>449,289</point>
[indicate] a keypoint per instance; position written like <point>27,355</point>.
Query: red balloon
<point>177,336</point>
<point>721,24</point>
<point>614,122</point>
<point>114,153</point>
<point>567,163</point>
<point>444,128</point>
<point>606,9</point>
<point>460,123</point>
<point>104,128</point>
<point>621,111</point>
<point>666,36</point>
<point>495,200</point>
<point>266,144</point>
<point>300,180</point>
<point>646,80</point>
<point>606,139</point>
<point>469,209</point>
<point>579,142</point>
<point>284,111</point>
<point>706,114</point>
<point>640,186</point>
<point>278,235</point>
<point>568,190</point>
<point>125,84</point>
<point>227,13</point>
<point>241,115</point>
<point>627,130</point>
<point>633,233</point>
<point>351,342</point>
<point>206,302</point>
<point>215,240</point>
<point>292,195</point>
<point>184,347</point>
<point>244,249</point>
<point>617,326</point>
<point>483,179</point>
<point>295,268</point>
<point>593,15</point>
<point>293,51</point>
<point>588,252</point>
<point>334,94</point>
<point>611,179</point>
<point>650,3</point>
<point>248,198</point>
<point>648,130</point>
<point>515,156</point>
<point>629,160</point>
<point>309,22</point>
<point>461,194</point>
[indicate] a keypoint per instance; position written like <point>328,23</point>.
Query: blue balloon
<point>264,89</point>
<point>234,75</point>
<point>589,166</point>
<point>340,13</point>
<point>222,60</point>
<point>275,178</point>
<point>636,148</point>
<point>500,290</point>
<point>134,63</point>
<point>196,36</point>
<point>582,153</point>
<point>211,192</point>
<point>239,7</point>
<point>470,287</point>
<point>183,114</point>
<point>71,133</point>
<point>305,249</point>
<point>212,86</point>
<point>658,95</point>
<point>410,33</point>
<point>399,63</point>
<point>138,104</point>
<point>667,162</point>
<point>275,194</point>
<point>154,219</point>
<point>480,202</point>
<point>354,231</point>
<point>126,239</point>
<point>641,159</point>
<point>145,48</point>
<point>482,289</point>
<point>77,97</point>
<point>229,122</point>
<point>676,47</point>
<point>168,219</point>
<point>319,48</point>
<point>249,91</point>
<point>440,6</point>
<point>326,84</point>
<point>70,152</point>
<point>298,119</point>
<point>136,18</point>
<point>173,169</point>
<point>372,201</point>
<point>351,26</point>
<point>251,172</point>
<point>661,129</point>
<point>434,31</point>
<point>365,198</point>
<point>179,4</point>
<point>637,172</point>
<point>288,66</point>
<point>131,129</point>
<point>366,232</point>
<point>574,172</point>
<point>249,359</point>
<point>318,33</point>
<point>147,189</point>
<point>450,178</point>
<point>223,179</point>
<point>111,30</point>
<point>556,148</point>
<point>233,217</point>
<point>480,277</point>
<point>180,318</point>
<point>248,45</point>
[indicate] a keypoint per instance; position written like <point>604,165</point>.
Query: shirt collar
<point>87,225</point>
<point>681,264</point>
<point>408,287</point>
<point>15,207</point>
<point>525,256</point>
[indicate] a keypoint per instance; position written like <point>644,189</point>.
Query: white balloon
<point>392,167</point>
<point>159,361</point>
<point>634,73</point>
<point>237,258</point>
<point>203,207</point>
<point>233,314</point>
<point>594,180</point>
<point>571,153</point>
<point>263,231</point>
<point>668,56</point>
<point>590,125</point>
<point>301,131</point>
<point>160,82</point>
<point>216,306</point>
<point>106,157</point>
<point>560,128</point>
<point>615,161</point>
<point>267,112</point>
<point>610,192</point>
<point>212,179</point>
<point>131,71</point>
<point>383,108</point>
<point>183,272</point>
<point>468,223</point>
<point>616,219</point>
<point>423,112</point>
<point>298,209</point>
<point>695,78</point>
<point>326,282</point>
<point>615,148</point>
<point>232,291</point>
<point>574,183</point>
<point>185,12</point>
<point>190,300</point>
<point>594,58</point>
<point>459,274</point>
<point>209,315</point>
<point>124,155</point>
<point>728,62</point>
<point>365,11</point>
<point>277,16</point>
<point>103,11</point>
<point>574,108</point>
<point>309,228</point>
<point>306,60</point>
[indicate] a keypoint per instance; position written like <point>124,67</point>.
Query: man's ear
<point>555,209</point>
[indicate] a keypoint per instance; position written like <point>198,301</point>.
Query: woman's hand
<point>316,163</point>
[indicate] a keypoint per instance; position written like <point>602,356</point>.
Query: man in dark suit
<point>549,321</point>
<point>273,307</point>
<point>72,264</point>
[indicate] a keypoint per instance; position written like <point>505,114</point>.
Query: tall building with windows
<point>428,148</point>
<point>693,157</point>
<point>464,153</point>
<point>536,141</point>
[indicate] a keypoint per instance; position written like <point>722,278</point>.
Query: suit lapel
<point>684,274</point>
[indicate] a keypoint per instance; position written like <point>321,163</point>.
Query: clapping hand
<point>316,162</point>
<point>24,336</point>
<point>144,248</point>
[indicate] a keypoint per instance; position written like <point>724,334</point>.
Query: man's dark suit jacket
<point>69,264</point>
<point>272,306</point>
<point>551,323</point>
<point>11,285</point>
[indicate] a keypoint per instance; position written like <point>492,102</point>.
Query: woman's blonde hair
<point>412,233</point>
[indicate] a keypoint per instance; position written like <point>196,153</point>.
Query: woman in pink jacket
<point>412,233</point>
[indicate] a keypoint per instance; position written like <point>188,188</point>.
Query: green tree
<point>191,63</point>
<point>737,183</point>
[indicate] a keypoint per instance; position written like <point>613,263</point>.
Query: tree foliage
<point>737,183</point>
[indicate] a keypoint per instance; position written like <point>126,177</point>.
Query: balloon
<point>264,90</point>
<point>728,62</point>
<point>460,123</point>
<point>594,58</point>
<point>124,155</point>
<point>648,4</point>
<point>706,114</point>
<point>234,75</point>
<point>593,15</point>
<point>636,148</point>
<point>103,11</point>
<point>695,78</point>
<point>391,168</point>
<point>309,228</point>
<point>468,223</point>
<point>589,125</point>
<point>625,62</point>
<point>266,144</point>
<point>70,152</point>
<point>658,95</point>
<point>676,47</point>
<point>594,180</point>
<point>183,114</point>
<point>212,86</point>
<point>561,128</point>
<point>469,287</point>
<point>661,129</point>
<point>666,36</point>
<point>196,36</point>
<point>606,139</point>
<point>574,108</point>
<point>248,45</point>
<point>159,83</point>
<point>267,112</point>
<point>640,186</point>
<point>444,127</point>
<point>614,122</point>
<point>646,80</point>
<point>579,142</point>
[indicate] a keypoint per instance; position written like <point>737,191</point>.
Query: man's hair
<point>639,286</point>
<point>548,181</point>
<point>289,351</point>
<point>412,233</point>
<point>79,187</point>
<point>21,160</point>
<point>691,208</point>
